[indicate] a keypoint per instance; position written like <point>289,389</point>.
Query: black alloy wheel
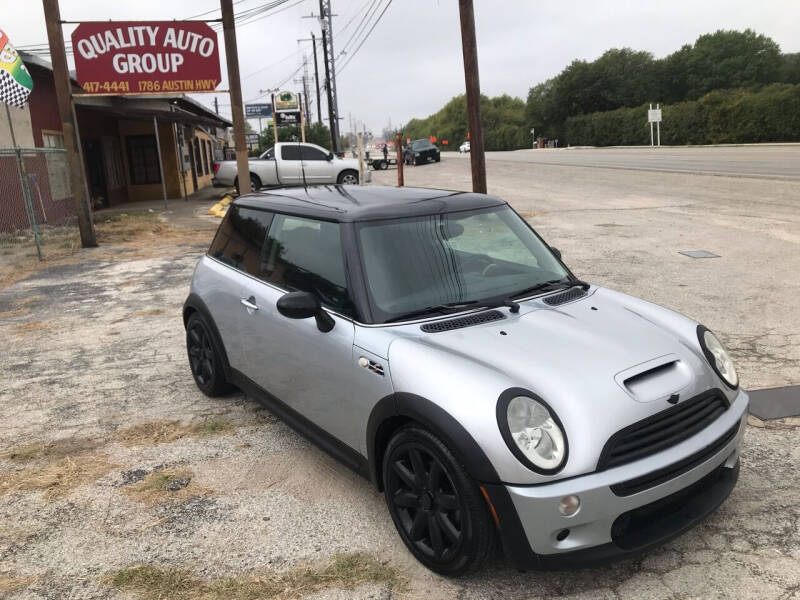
<point>204,359</point>
<point>436,507</point>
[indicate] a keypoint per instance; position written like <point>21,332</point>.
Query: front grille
<point>662,430</point>
<point>564,297</point>
<point>484,317</point>
<point>654,478</point>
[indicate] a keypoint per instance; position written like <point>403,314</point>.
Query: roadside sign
<point>444,142</point>
<point>146,57</point>
<point>287,102</point>
<point>654,115</point>
<point>287,118</point>
<point>433,139</point>
<point>254,111</point>
<point>252,138</point>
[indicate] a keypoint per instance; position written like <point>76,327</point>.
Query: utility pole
<point>316,77</point>
<point>216,105</point>
<point>235,86</point>
<point>470,50</point>
<point>398,146</point>
<point>63,85</point>
<point>325,20</point>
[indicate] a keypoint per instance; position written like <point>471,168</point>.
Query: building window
<point>198,160</point>
<point>210,157</point>
<point>143,159</point>
<point>52,140</point>
<point>115,173</point>
<point>204,155</point>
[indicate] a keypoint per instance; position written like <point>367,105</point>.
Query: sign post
<point>654,116</point>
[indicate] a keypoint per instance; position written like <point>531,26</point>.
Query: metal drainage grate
<point>698,254</point>
<point>484,317</point>
<point>564,297</point>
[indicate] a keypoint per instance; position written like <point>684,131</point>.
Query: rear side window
<point>240,239</point>
<point>306,255</point>
<point>290,152</point>
<point>310,153</point>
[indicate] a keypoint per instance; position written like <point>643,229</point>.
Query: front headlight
<point>532,431</point>
<point>717,356</point>
<point>416,153</point>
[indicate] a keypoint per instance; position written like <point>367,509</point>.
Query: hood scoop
<point>461,322</point>
<point>564,297</point>
<point>658,378</point>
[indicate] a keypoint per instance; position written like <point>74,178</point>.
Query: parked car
<point>464,147</point>
<point>420,152</point>
<point>434,342</point>
<point>292,164</point>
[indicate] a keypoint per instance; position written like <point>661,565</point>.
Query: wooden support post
<point>63,85</point>
<point>235,86</point>
<point>160,162</point>
<point>398,146</point>
<point>470,50</point>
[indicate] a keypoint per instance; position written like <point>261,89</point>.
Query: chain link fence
<point>37,216</point>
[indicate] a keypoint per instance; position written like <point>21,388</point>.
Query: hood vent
<point>564,297</point>
<point>461,322</point>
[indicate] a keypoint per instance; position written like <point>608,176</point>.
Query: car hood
<point>601,363</point>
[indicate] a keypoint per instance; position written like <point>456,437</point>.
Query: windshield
<point>473,256</point>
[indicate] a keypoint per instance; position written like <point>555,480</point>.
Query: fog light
<point>569,505</point>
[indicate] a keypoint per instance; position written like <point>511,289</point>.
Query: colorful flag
<point>15,81</point>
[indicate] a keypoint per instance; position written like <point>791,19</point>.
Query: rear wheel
<point>436,507</point>
<point>255,184</point>
<point>348,178</point>
<point>205,359</point>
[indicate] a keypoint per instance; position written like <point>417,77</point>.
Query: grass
<point>57,478</point>
<point>343,571</point>
<point>51,451</point>
<point>154,488</point>
<point>164,432</point>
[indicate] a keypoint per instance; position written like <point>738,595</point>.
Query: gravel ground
<point>96,400</point>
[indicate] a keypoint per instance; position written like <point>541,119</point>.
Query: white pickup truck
<point>291,163</point>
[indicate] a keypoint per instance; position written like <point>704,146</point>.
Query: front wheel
<point>348,178</point>
<point>205,359</point>
<point>436,507</point>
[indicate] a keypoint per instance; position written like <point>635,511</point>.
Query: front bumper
<point>609,526</point>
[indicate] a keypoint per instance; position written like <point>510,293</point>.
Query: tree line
<point>726,86</point>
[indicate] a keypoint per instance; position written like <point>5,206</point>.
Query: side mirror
<point>556,251</point>
<point>304,305</point>
<point>330,156</point>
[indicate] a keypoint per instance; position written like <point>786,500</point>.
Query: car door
<point>266,168</point>
<point>235,251</point>
<point>289,167</point>
<point>317,165</point>
<point>305,368</point>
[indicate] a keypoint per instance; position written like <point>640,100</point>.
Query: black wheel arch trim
<point>195,304</point>
<point>439,421</point>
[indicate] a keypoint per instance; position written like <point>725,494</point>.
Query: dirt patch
<point>58,478</point>
<point>148,313</point>
<point>32,327</point>
<point>167,485</point>
<point>9,583</point>
<point>164,432</point>
<point>344,571</point>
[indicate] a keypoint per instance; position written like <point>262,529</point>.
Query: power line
<point>361,25</point>
<point>352,54</point>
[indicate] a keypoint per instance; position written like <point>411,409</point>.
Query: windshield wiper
<point>553,284</point>
<point>436,308</point>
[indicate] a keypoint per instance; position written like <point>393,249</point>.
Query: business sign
<point>146,57</point>
<point>654,115</point>
<point>15,81</point>
<point>286,102</point>
<point>254,111</point>
<point>252,138</point>
<point>287,118</point>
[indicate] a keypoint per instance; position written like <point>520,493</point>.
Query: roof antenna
<point>302,164</point>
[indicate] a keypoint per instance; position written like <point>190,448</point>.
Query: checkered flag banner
<point>15,81</point>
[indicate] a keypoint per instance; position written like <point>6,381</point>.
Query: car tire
<point>255,184</point>
<point>436,506</point>
<point>438,158</point>
<point>348,177</point>
<point>205,358</point>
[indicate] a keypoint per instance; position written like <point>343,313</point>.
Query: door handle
<point>249,303</point>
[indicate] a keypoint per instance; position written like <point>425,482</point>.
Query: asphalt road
<point>771,162</point>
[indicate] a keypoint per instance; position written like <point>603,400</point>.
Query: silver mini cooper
<point>433,342</point>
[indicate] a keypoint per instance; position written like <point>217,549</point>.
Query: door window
<point>240,240</point>
<point>306,255</point>
<point>311,153</point>
<point>290,152</point>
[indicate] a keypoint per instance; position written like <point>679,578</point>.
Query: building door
<point>96,172</point>
<point>192,163</point>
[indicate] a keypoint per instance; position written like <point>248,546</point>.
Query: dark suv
<point>420,152</point>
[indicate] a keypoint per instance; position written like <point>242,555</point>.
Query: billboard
<point>146,57</point>
<point>254,111</point>
<point>286,102</point>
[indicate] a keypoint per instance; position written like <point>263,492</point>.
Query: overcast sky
<point>411,64</point>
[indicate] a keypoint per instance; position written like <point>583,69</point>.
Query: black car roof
<point>364,203</point>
